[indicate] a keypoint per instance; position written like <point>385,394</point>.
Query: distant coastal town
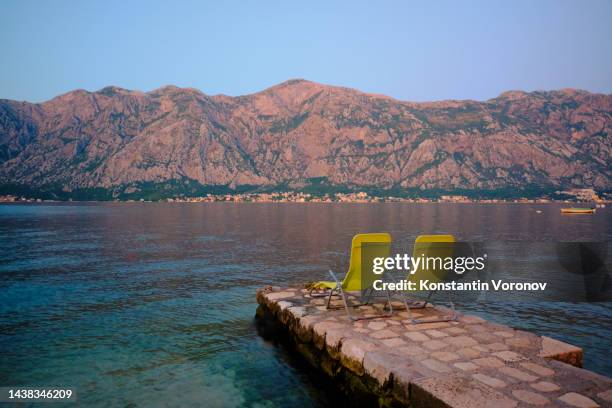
<point>572,195</point>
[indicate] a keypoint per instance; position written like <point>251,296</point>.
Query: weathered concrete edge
<point>326,348</point>
<point>551,349</point>
<point>347,361</point>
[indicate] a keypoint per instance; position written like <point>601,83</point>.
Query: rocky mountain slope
<point>299,133</point>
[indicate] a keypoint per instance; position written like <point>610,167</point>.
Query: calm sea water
<point>152,304</point>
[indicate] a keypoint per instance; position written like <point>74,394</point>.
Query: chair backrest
<point>366,246</point>
<point>431,246</point>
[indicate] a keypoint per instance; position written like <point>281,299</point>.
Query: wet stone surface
<point>466,363</point>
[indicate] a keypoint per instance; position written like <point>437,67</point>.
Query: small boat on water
<point>575,210</point>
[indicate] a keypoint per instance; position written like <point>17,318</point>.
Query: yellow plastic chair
<point>423,247</point>
<point>379,245</point>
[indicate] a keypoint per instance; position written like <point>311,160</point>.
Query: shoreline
<point>305,200</point>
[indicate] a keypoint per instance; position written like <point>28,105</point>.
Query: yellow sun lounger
<point>363,245</point>
<point>428,246</point>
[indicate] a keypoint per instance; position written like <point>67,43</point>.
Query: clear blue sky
<point>409,50</point>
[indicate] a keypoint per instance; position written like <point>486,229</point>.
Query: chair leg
<point>455,315</point>
<point>345,300</point>
<point>389,302</point>
<point>387,306</point>
<point>367,296</point>
<point>408,308</point>
<point>331,293</point>
<point>452,318</point>
<point>346,305</point>
<point>388,314</point>
<point>424,304</point>
<point>420,305</point>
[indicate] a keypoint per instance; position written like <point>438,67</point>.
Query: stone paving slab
<point>468,363</point>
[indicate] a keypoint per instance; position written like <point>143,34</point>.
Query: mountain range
<point>301,135</point>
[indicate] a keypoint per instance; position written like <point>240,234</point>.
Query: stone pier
<point>468,363</point>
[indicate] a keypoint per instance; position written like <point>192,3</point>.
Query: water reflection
<point>144,304</point>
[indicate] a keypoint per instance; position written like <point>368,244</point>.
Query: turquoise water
<point>152,304</point>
